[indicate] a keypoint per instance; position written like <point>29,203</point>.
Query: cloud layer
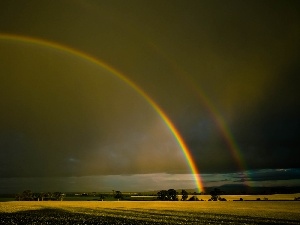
<point>212,67</point>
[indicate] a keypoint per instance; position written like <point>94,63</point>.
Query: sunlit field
<point>274,197</point>
<point>150,212</point>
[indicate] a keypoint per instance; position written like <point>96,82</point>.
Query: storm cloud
<point>217,70</point>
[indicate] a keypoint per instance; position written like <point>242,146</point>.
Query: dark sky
<point>201,61</point>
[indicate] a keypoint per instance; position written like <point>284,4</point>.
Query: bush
<point>193,198</point>
<point>215,194</point>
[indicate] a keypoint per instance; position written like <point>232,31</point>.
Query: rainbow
<point>161,113</point>
<point>225,130</point>
<point>216,116</point>
<point>227,135</point>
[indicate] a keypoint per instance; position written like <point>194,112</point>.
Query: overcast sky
<point>217,69</point>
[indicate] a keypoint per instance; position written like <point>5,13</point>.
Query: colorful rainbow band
<point>216,115</point>
<point>122,77</point>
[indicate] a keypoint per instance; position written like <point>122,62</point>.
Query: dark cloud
<point>75,119</point>
<point>214,68</point>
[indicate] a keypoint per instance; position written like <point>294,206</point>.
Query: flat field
<point>156,212</point>
<point>274,197</point>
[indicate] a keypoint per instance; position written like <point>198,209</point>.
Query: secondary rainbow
<point>216,116</point>
<point>85,56</point>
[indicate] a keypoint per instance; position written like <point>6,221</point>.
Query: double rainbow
<point>213,111</point>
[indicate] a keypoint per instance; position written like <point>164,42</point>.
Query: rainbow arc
<point>155,106</point>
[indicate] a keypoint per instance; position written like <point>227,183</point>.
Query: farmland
<point>150,212</point>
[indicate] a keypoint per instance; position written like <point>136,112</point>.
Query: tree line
<point>28,195</point>
<point>163,195</point>
<point>172,195</point>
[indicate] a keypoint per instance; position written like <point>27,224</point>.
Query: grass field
<point>274,197</point>
<point>129,212</point>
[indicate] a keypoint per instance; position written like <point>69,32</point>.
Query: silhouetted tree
<point>48,196</point>
<point>58,196</point>
<point>42,196</point>
<point>118,195</point>
<point>184,195</point>
<point>101,197</point>
<point>18,197</point>
<point>215,194</point>
<point>169,195</point>
<point>172,195</point>
<point>27,195</point>
<point>163,195</point>
<point>36,196</point>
